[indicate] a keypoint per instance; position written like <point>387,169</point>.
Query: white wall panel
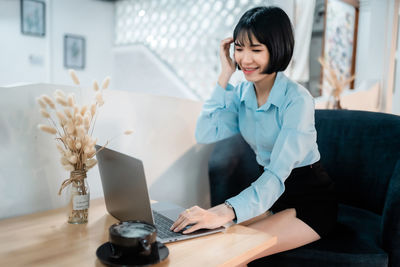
<point>30,168</point>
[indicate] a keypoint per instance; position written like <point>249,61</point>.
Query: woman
<point>275,115</point>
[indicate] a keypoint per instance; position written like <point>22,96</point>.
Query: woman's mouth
<point>249,70</point>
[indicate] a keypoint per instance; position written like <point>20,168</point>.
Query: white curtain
<point>302,19</point>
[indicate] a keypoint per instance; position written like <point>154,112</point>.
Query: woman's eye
<point>238,49</point>
<point>256,51</point>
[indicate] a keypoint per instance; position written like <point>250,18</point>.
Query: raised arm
<point>218,119</point>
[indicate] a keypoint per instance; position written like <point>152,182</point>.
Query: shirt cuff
<point>253,200</point>
<point>236,207</point>
<point>230,205</point>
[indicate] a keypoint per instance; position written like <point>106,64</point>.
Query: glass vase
<point>78,208</point>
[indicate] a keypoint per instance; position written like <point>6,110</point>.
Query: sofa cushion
<point>354,242</point>
<point>359,151</point>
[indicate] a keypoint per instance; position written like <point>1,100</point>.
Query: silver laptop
<point>127,198</point>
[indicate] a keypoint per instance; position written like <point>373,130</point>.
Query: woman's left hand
<point>200,218</point>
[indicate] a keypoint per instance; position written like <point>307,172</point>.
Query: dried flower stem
<point>94,121</point>
<point>54,124</point>
<point>335,80</point>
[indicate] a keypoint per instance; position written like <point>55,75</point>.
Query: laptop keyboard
<point>163,224</point>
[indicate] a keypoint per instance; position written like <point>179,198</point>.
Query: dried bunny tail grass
<point>95,86</point>
<point>91,153</point>
<point>93,109</point>
<point>74,77</point>
<point>60,93</point>
<point>71,145</point>
<point>86,139</point>
<point>86,122</point>
<point>61,149</point>
<point>335,80</point>
<point>68,153</point>
<point>78,119</point>
<point>83,159</point>
<point>73,159</point>
<point>48,101</point>
<point>88,149</point>
<point>61,101</point>
<point>64,161</point>
<point>41,103</point>
<point>78,145</point>
<point>76,110</point>
<point>99,99</point>
<point>61,118</point>
<point>89,142</point>
<point>69,167</point>
<point>47,129</point>
<point>90,163</point>
<point>71,100</point>
<point>84,109</point>
<point>68,113</point>
<point>44,113</point>
<point>70,128</point>
<point>128,132</point>
<point>106,82</point>
<point>80,131</point>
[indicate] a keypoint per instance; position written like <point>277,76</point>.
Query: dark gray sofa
<point>360,151</point>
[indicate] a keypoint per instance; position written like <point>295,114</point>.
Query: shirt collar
<point>276,96</point>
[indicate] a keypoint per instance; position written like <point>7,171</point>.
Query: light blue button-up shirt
<point>281,132</point>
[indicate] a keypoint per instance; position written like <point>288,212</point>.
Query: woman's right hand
<point>228,65</point>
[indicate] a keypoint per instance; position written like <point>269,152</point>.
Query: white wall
<point>163,138</point>
<point>373,44</point>
<point>16,49</point>
<point>29,171</point>
<point>135,68</point>
<point>92,19</point>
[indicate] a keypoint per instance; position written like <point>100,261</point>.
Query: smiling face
<point>264,42</point>
<point>252,58</point>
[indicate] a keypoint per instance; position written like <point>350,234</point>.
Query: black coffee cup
<point>132,238</point>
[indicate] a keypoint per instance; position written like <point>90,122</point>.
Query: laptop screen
<point>124,186</point>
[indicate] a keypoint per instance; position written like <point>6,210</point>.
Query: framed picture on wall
<point>74,51</point>
<point>33,17</point>
<point>340,37</point>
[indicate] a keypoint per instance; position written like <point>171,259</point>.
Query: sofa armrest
<point>391,218</point>
<point>232,167</point>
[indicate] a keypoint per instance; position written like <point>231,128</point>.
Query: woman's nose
<point>247,58</point>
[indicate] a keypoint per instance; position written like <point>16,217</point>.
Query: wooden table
<point>46,239</point>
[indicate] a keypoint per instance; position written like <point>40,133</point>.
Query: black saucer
<point>159,252</point>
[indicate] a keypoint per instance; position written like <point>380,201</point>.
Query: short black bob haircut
<point>270,26</point>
